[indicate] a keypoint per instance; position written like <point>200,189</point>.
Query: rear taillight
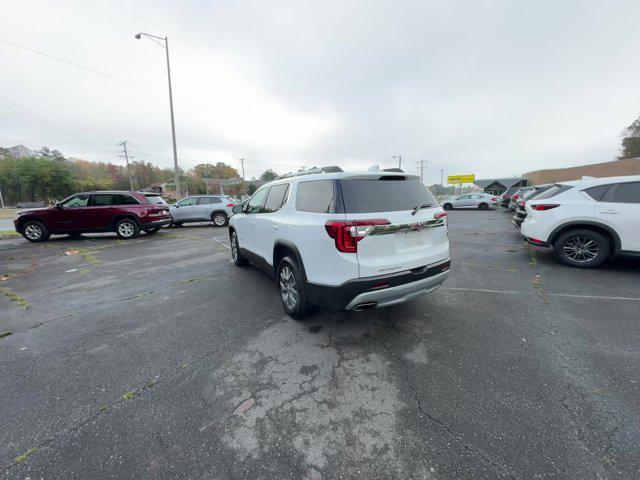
<point>231,204</point>
<point>440,215</point>
<point>544,206</point>
<point>521,203</point>
<point>348,233</point>
<point>515,197</point>
<point>494,199</point>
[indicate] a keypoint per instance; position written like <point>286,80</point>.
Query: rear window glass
<point>127,200</point>
<point>597,192</point>
<point>391,195</point>
<point>316,196</point>
<point>627,193</point>
<point>155,200</point>
<point>553,191</point>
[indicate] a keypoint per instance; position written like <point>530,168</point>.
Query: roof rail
<point>311,171</point>
<point>397,170</point>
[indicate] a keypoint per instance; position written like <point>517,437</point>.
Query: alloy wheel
<point>126,229</point>
<point>33,231</point>
<point>219,220</point>
<point>288,290</point>
<point>581,249</point>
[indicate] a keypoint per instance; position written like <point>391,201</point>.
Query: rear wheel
<point>127,229</point>
<point>483,206</point>
<point>237,257</point>
<point>447,206</point>
<point>35,231</point>
<point>219,219</point>
<point>292,294</point>
<point>582,248</point>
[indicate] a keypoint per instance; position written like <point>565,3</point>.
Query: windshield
<point>385,194</point>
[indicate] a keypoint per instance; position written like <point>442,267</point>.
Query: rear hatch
<point>398,224</point>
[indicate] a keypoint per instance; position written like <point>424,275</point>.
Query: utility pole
<point>423,164</point>
<point>1,199</point>
<point>399,157</point>
<point>123,144</point>
<point>244,183</point>
<point>441,177</point>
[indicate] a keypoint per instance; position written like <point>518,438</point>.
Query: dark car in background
<point>520,212</point>
<point>505,198</point>
<point>125,213</point>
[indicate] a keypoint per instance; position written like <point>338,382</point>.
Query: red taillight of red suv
<point>544,206</point>
<point>348,233</point>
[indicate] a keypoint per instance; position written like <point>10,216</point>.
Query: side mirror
<point>237,209</point>
<point>175,205</point>
<point>57,205</point>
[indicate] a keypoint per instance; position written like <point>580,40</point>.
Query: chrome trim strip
<point>406,227</point>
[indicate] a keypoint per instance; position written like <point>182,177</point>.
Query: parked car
<point>203,208</point>
<point>344,240</point>
<point>154,198</point>
<point>481,201</point>
<point>514,198</point>
<point>505,198</point>
<point>126,213</point>
<point>587,222</point>
<point>520,212</point>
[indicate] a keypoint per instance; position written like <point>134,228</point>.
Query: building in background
<point>497,186</point>
<point>617,168</point>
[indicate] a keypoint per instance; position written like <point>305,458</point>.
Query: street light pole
<point>173,123</point>
<point>399,157</point>
<point>244,183</point>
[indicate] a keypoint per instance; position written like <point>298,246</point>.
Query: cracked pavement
<point>131,359</point>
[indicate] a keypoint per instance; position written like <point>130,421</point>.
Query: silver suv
<point>203,208</point>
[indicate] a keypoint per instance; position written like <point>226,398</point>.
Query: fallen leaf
<point>243,407</point>
<point>72,252</point>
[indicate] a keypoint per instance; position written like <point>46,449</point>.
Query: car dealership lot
<point>158,358</point>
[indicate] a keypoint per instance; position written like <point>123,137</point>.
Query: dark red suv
<point>126,213</point>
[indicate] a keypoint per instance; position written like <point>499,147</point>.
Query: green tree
<point>251,189</point>
<point>631,141</point>
<point>268,175</point>
<point>219,170</point>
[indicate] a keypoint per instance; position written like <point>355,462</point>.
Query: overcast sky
<point>494,88</point>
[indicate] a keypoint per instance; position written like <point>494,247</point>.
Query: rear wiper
<point>418,207</point>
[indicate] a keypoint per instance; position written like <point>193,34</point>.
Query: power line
<point>40,118</point>
<point>245,76</point>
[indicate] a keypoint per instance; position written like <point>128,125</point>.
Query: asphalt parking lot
<point>158,358</point>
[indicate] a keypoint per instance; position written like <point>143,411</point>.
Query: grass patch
<point>25,455</point>
<point>14,297</point>
<point>4,334</point>
<point>88,256</point>
<point>129,395</point>
<point>4,234</point>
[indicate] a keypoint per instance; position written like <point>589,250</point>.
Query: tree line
<point>49,176</point>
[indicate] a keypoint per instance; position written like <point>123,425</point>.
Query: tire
<point>153,230</point>
<point>35,231</point>
<point>127,229</point>
<point>291,287</point>
<point>581,248</point>
<point>74,235</point>
<point>483,206</point>
<point>447,206</point>
<point>219,219</point>
<point>237,257</point>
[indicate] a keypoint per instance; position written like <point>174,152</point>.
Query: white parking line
<point>221,243</point>
<point>564,295</point>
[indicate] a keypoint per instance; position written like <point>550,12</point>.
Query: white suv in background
<point>344,240</point>
<point>587,222</point>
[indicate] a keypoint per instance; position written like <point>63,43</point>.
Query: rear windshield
<point>156,200</point>
<point>389,195</point>
<point>553,191</point>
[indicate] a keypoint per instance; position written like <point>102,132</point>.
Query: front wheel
<point>483,206</point>
<point>447,206</point>
<point>127,229</point>
<point>219,219</point>
<point>237,257</point>
<point>35,231</point>
<point>292,294</point>
<point>581,248</point>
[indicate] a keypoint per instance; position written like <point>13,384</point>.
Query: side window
<point>105,199</point>
<point>276,197</point>
<point>204,200</point>
<point>464,197</point>
<point>316,196</point>
<point>597,192</point>
<point>124,199</point>
<point>216,200</point>
<point>624,193</point>
<point>77,201</point>
<point>187,202</point>
<point>255,204</point>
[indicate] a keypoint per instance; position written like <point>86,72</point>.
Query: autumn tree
<point>631,141</point>
<point>268,175</point>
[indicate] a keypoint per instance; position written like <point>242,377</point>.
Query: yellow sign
<point>461,178</point>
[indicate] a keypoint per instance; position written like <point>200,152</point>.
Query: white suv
<point>588,221</point>
<point>344,240</point>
